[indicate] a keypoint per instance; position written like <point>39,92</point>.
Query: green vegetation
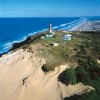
<point>88,69</point>
<point>56,55</point>
<point>68,76</point>
<point>81,52</point>
<point>90,96</point>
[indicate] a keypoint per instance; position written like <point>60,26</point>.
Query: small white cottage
<point>54,44</point>
<point>67,37</point>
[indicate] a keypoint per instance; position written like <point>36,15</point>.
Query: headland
<point>59,65</point>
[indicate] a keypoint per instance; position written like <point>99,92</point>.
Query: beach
<point>89,26</point>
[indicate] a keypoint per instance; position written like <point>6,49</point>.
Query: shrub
<point>68,76</point>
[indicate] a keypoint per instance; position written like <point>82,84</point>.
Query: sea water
<point>15,30</point>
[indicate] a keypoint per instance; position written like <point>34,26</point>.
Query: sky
<point>49,8</point>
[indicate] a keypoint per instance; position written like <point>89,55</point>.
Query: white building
<point>54,44</point>
<point>67,37</point>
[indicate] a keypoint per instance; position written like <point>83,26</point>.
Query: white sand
<point>21,78</point>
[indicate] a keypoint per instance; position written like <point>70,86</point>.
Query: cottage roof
<point>67,35</point>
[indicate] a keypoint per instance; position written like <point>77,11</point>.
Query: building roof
<point>68,35</point>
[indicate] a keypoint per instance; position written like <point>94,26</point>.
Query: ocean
<point>15,30</point>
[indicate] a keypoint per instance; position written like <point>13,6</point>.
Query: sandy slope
<point>21,78</point>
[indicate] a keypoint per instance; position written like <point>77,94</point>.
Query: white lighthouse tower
<point>50,28</point>
<point>50,33</point>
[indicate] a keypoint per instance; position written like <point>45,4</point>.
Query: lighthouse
<point>50,28</point>
<point>50,33</point>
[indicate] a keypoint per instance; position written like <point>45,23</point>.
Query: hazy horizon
<point>49,8</point>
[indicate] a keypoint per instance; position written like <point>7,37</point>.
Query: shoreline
<point>28,75</point>
<point>6,46</point>
<point>33,37</point>
<point>82,23</point>
<point>87,27</point>
<point>27,40</point>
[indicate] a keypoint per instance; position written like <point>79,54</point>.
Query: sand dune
<point>21,78</point>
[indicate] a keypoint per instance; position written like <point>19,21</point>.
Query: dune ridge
<point>22,78</point>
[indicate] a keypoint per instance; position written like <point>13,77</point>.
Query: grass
<point>56,55</point>
<point>81,52</point>
<point>88,69</point>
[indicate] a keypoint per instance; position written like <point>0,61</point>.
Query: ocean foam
<point>74,24</point>
<point>65,26</point>
<point>55,27</point>
<point>70,25</point>
<point>78,24</point>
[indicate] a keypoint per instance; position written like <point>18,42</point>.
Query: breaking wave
<point>4,48</point>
